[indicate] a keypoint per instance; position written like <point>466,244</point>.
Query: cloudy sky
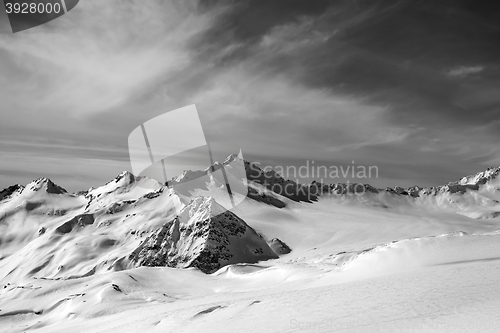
<point>412,87</point>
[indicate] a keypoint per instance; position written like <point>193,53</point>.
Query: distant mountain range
<point>137,221</point>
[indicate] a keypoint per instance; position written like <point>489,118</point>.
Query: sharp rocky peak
<point>204,235</point>
<point>125,177</point>
<point>46,185</point>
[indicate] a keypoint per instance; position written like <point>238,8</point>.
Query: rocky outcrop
<point>76,222</point>
<point>204,236</point>
<point>265,198</point>
<point>279,247</point>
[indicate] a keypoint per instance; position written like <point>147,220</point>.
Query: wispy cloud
<point>463,71</point>
<point>331,81</point>
<point>98,56</point>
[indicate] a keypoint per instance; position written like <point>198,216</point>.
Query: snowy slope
<point>404,260</point>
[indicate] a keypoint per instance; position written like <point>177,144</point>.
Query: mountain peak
<point>232,157</point>
<point>201,209</point>
<point>7,192</point>
<point>189,175</point>
<point>204,235</point>
<point>45,184</point>
<point>480,178</point>
<point>126,176</point>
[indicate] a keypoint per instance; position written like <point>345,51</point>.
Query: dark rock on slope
<point>204,236</point>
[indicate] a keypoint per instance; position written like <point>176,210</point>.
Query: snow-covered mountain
<point>138,217</point>
<point>476,196</point>
<point>130,221</point>
<point>137,242</point>
<point>205,236</point>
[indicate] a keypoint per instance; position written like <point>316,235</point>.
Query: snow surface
<point>376,262</point>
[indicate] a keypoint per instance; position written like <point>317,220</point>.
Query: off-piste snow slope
<point>135,255</point>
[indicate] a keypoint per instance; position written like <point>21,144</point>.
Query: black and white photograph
<point>274,166</point>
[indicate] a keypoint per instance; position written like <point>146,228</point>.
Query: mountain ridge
<point>270,178</point>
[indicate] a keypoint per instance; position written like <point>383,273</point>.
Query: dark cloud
<point>433,65</point>
<point>409,86</point>
<point>247,21</point>
<point>391,51</point>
